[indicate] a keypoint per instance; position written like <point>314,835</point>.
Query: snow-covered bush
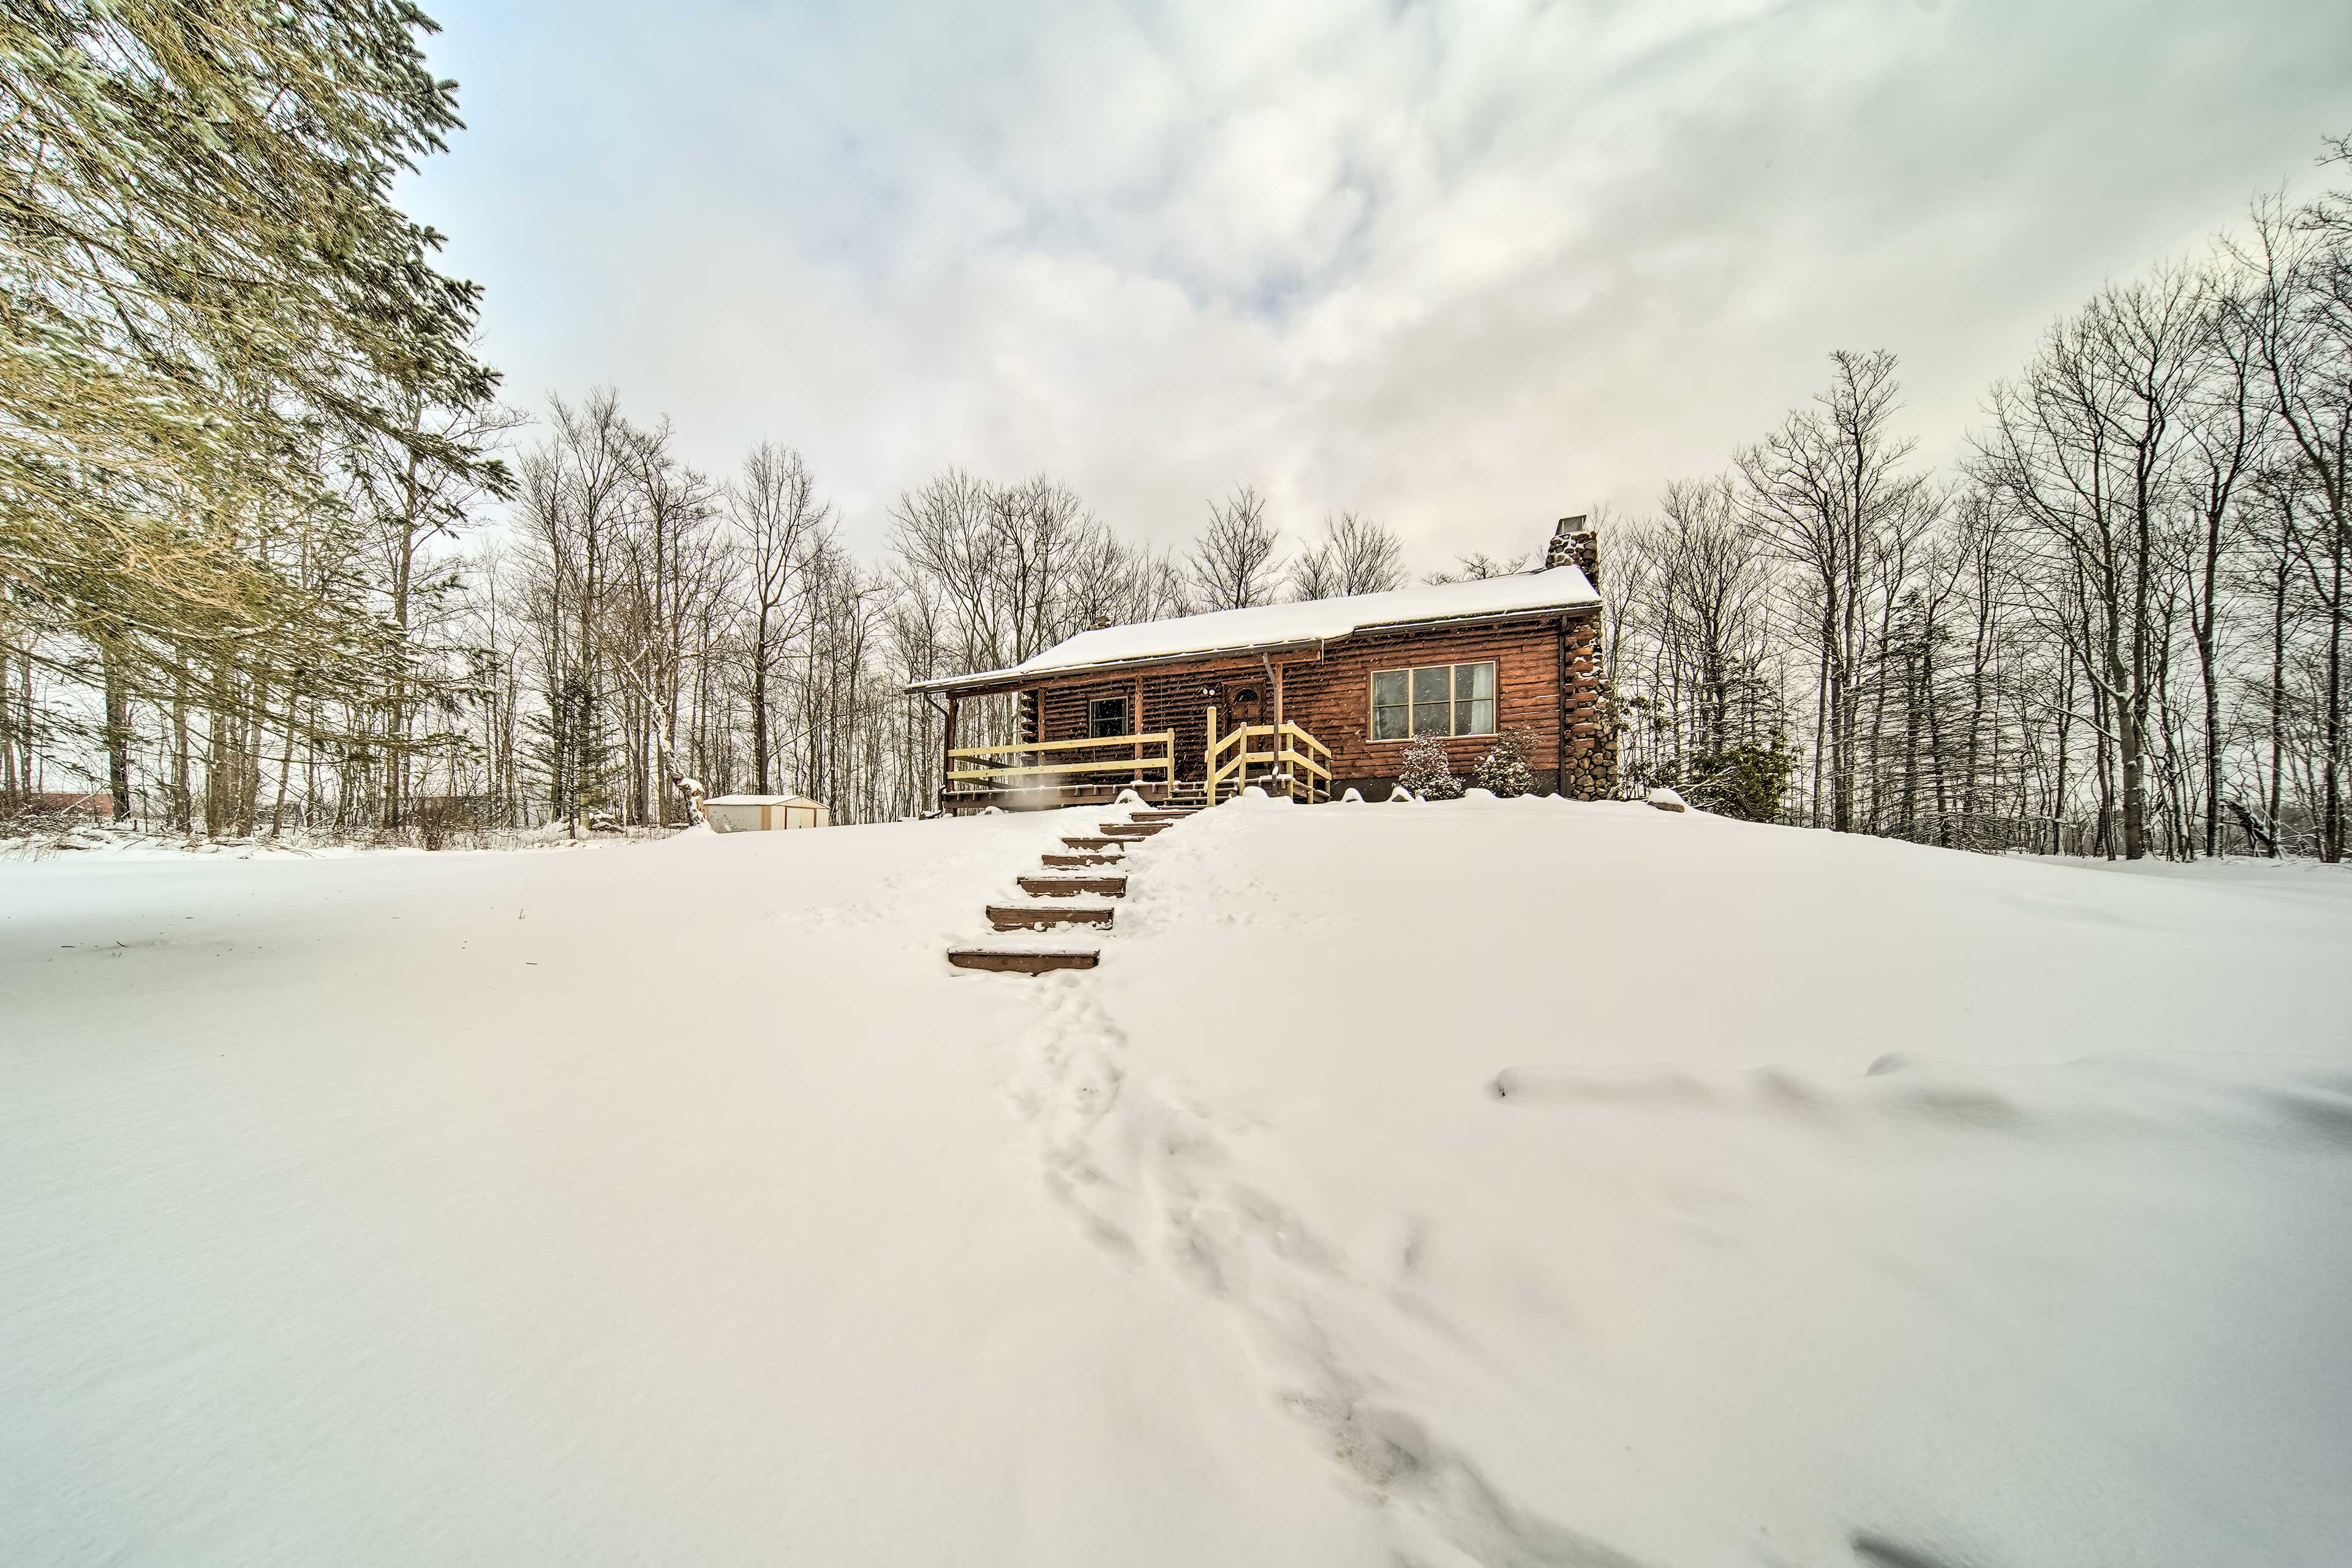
<point>1747,782</point>
<point>1425,772</point>
<point>1505,768</point>
<point>1353,797</point>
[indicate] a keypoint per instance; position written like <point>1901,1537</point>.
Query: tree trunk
<point>2331,794</point>
<point>118,731</point>
<point>2278,697</point>
<point>2206,633</point>
<point>182,800</point>
<point>759,716</point>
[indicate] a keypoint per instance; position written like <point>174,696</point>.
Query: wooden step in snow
<point>1087,843</point>
<point>1165,817</point>
<point>1032,917</point>
<point>1137,829</point>
<point>1083,858</point>
<point>1016,961</point>
<point>1075,887</point>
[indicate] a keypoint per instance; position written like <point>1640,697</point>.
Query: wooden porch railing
<point>1149,756</point>
<point>1299,764</point>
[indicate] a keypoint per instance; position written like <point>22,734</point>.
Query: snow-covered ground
<point>130,841</point>
<point>1492,1182</point>
<point>91,841</point>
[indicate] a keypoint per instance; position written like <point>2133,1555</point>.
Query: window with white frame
<point>1434,700</point>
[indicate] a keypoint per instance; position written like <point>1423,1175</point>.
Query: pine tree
<point>1425,772</point>
<point>209,293</point>
<point>1746,782</point>
<point>573,750</point>
<point>1504,769</point>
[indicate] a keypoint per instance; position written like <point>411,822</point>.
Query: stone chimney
<point>1573,544</point>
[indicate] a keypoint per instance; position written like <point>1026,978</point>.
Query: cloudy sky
<point>1464,267</point>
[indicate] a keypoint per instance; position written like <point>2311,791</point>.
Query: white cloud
<point>1462,266</point>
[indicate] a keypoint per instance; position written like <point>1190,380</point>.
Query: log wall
<point>1175,698</point>
<point>1330,698</point>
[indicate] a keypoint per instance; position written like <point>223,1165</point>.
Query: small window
<point>1434,700</point>
<point>1392,705</point>
<point>1474,698</point>
<point>1107,718</point>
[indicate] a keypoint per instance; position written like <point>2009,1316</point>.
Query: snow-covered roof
<point>1289,626</point>
<point>761,800</point>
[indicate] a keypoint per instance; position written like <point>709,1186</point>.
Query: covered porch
<point>1188,734</point>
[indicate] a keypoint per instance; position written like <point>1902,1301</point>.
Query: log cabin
<point>1310,698</point>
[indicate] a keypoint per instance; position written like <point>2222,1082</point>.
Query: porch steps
<point>1014,960</point>
<point>1030,917</point>
<point>1068,887</point>
<point>1067,873</point>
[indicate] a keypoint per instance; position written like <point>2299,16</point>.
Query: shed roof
<point>761,800</point>
<point>1307,622</point>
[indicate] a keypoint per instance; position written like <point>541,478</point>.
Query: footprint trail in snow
<point>1149,1174</point>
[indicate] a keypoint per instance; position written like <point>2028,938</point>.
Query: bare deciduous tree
<point>1834,492</point>
<point>1233,562</point>
<point>779,525</point>
<point>2087,447</point>
<point>1355,555</point>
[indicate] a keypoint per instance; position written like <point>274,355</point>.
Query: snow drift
<point>1488,1182</point>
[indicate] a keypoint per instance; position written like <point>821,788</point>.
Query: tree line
<point>2117,626</point>
<point>639,625</point>
<point>273,558</point>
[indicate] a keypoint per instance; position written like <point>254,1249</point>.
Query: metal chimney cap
<point>1570,526</point>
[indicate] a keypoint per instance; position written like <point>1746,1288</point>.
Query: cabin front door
<point>1228,707</point>
<point>1249,707</point>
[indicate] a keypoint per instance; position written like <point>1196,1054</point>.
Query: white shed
<point>763,813</point>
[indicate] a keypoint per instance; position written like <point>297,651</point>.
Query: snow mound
<point>1902,1164</point>
<point>1389,1194</point>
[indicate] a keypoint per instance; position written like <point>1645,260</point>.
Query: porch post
<point>947,750</point>
<point>1135,726</point>
<point>1280,772</point>
<point>1209,755</point>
